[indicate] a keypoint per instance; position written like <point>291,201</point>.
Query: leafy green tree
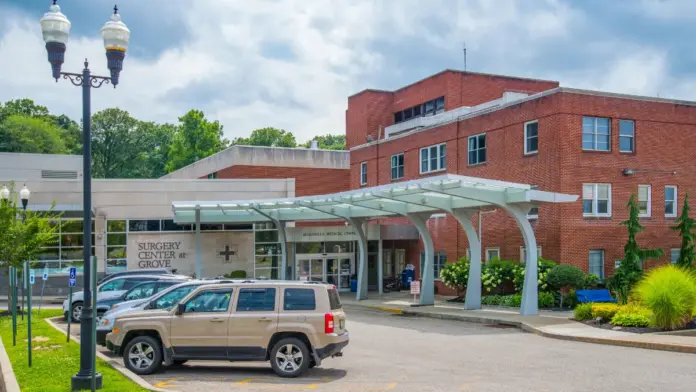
<point>630,270</point>
<point>268,137</point>
<point>329,142</point>
<point>685,227</point>
<point>115,143</point>
<point>195,138</point>
<point>31,135</point>
<point>564,278</point>
<point>70,132</point>
<point>23,107</point>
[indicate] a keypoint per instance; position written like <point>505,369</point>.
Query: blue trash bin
<point>407,276</point>
<point>353,285</point>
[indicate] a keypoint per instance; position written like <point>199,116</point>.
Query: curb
<point>112,362</point>
<point>8,381</point>
<point>538,331</point>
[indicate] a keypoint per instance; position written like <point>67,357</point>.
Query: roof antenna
<point>464,56</point>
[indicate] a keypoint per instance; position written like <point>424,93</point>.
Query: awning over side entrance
<point>461,196</point>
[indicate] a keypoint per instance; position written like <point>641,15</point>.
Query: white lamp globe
<point>55,26</point>
<point>24,193</point>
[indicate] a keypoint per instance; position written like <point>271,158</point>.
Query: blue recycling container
<point>353,285</point>
<point>407,276</point>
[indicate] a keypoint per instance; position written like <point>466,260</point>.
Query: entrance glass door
<point>310,270</point>
<point>344,276</point>
<point>332,275</point>
<point>333,269</point>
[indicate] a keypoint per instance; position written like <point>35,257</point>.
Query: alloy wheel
<point>289,358</point>
<point>141,355</point>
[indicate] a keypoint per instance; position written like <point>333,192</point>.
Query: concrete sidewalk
<point>550,324</point>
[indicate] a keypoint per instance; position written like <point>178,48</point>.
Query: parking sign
<point>31,278</point>
<point>73,277</point>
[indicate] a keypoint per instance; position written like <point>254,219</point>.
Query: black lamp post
<point>56,30</point>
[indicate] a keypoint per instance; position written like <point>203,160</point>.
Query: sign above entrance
<point>329,233</point>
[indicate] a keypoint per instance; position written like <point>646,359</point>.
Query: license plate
<point>342,324</point>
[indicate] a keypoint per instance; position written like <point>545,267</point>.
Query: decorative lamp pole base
<point>84,382</point>
<point>114,58</point>
<point>56,56</point>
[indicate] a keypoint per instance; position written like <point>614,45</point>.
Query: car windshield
<point>143,290</point>
<point>169,300</point>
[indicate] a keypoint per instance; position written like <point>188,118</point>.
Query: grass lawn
<point>54,360</point>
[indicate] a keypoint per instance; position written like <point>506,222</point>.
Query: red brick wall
<point>308,181</point>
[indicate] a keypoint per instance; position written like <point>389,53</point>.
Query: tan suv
<point>294,325</point>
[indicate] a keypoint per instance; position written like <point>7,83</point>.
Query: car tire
<point>77,306</point>
<point>290,357</point>
<point>143,355</point>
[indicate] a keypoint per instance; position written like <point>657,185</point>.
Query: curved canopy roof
<point>425,195</point>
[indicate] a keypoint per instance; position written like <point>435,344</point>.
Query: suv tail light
<point>328,323</point>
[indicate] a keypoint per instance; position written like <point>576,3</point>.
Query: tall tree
<point>630,270</point>
<point>31,135</point>
<point>195,138</point>
<point>269,137</point>
<point>156,140</point>
<point>69,129</point>
<point>329,142</point>
<point>685,226</point>
<point>115,143</point>
<point>23,107</point>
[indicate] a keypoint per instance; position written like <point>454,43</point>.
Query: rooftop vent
<point>313,145</point>
<point>59,174</point>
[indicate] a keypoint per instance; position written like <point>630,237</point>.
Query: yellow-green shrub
<point>583,311</point>
<point>670,293</point>
<point>604,311</point>
<point>632,315</point>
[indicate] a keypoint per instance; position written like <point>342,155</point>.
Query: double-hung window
<point>433,158</point>
<point>531,137</point>
<point>670,201</point>
<point>397,166</point>
<point>439,261</point>
<point>523,253</point>
<point>596,134</point>
<point>644,200</point>
<point>627,136</point>
<point>596,199</point>
<point>477,149</point>
<point>674,255</point>
<point>597,263</point>
<point>363,173</point>
<point>492,254</point>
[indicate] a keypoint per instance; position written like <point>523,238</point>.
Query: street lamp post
<point>24,197</point>
<point>56,30</point>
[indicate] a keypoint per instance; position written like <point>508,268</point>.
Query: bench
<point>599,295</point>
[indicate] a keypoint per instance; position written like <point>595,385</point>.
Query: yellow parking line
<point>165,384</point>
<point>390,387</point>
<point>244,382</point>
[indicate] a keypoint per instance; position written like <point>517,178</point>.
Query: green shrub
<point>543,268</point>
<point>583,311</point>
<point>546,300</point>
<point>456,275</point>
<point>513,301</point>
<point>238,274</point>
<point>495,273</point>
<point>670,293</point>
<point>591,281</point>
<point>564,278</point>
<point>604,311</point>
<point>632,315</point>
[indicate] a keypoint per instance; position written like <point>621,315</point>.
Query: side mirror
<point>181,309</point>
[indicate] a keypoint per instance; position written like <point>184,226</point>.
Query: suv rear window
<point>334,299</point>
<point>256,300</point>
<point>299,299</point>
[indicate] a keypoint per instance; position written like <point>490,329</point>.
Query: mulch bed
<point>638,330</point>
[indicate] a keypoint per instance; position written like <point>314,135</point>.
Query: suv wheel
<point>76,312</point>
<point>142,355</point>
<point>290,357</point>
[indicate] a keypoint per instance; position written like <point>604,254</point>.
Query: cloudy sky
<point>291,64</point>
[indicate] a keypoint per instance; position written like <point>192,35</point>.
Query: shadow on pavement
<point>242,374</point>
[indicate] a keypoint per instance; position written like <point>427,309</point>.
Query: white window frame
<point>595,133</point>
<point>534,211</point>
<point>403,167</point>
<point>478,148</point>
<point>494,249</point>
<point>439,262</point>
<point>526,147</point>
<point>595,201</point>
<point>589,267</point>
<point>671,251</point>
<point>523,257</point>
<point>363,173</point>
<point>674,201</point>
<point>649,207</point>
<point>633,137</point>
<point>441,153</point>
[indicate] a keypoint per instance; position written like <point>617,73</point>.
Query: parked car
<point>165,299</point>
<point>109,289</point>
<point>155,271</point>
<point>294,325</point>
<point>140,291</point>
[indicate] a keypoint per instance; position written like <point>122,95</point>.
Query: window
<point>531,137</point>
<point>212,176</point>
<point>534,211</point>
<point>144,225</point>
<point>644,196</point>
<point>256,300</point>
<point>439,261</point>
<point>523,253</point>
<point>670,201</point>
<point>173,297</point>
<point>143,290</point>
<point>440,105</point>
<point>433,158</point>
<point>596,134</point>
<point>596,199</point>
<point>397,166</point>
<point>429,108</point>
<point>674,255</point>
<point>334,299</point>
<point>596,266</point>
<point>627,136</point>
<point>492,253</point>
<point>299,299</point>
<point>477,149</point>
<point>213,301</point>
<point>114,285</point>
<point>363,173</point>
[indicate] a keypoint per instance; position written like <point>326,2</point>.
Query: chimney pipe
<point>313,145</point>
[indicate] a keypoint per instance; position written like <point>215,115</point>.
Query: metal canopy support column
<point>380,268</point>
<point>428,285</point>
<point>530,291</point>
<point>473,287</point>
<point>199,261</point>
<point>360,227</point>
<point>283,249</point>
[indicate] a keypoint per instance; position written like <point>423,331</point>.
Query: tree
<point>23,107</point>
<point>329,142</point>
<point>268,137</point>
<point>630,270</point>
<point>31,135</point>
<point>70,132</point>
<point>685,226</point>
<point>195,138</point>
<point>115,143</point>
<point>564,278</point>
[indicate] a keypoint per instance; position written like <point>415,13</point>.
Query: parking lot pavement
<point>396,353</point>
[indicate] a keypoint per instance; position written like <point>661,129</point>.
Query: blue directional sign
<point>73,277</point>
<point>45,276</point>
<point>31,278</point>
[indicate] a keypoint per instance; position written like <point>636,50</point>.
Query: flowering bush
<point>456,275</point>
<point>495,273</point>
<point>543,268</point>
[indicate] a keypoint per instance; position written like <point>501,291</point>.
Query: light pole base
<point>84,382</point>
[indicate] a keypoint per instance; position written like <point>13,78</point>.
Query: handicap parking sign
<point>73,277</point>
<point>31,278</point>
